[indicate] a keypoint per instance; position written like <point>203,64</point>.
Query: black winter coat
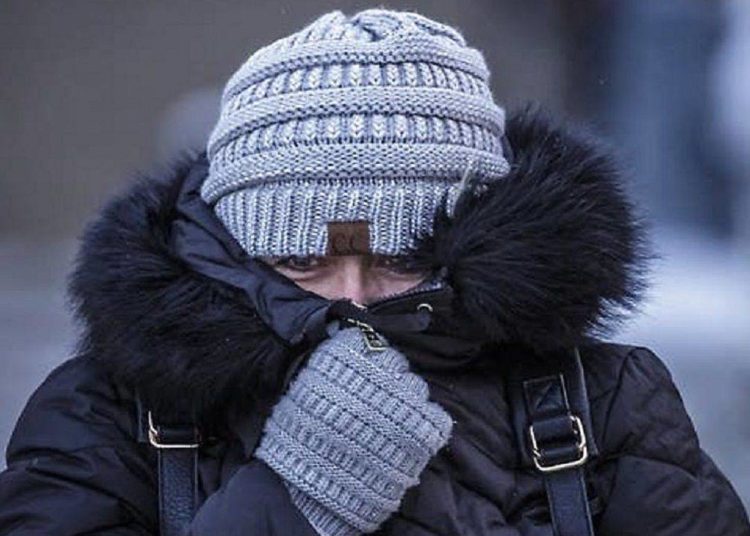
<point>549,258</point>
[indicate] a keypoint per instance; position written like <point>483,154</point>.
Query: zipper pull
<point>373,339</point>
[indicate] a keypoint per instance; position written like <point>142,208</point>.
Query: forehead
<point>357,256</point>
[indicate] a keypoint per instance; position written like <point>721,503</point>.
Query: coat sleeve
<point>664,484</point>
<point>253,501</point>
<point>73,468</point>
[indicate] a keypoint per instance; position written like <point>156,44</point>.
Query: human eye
<point>297,263</point>
<point>400,264</point>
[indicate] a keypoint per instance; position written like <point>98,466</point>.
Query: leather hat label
<point>348,238</point>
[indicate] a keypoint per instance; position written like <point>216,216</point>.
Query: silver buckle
<point>153,438</point>
<point>582,449</point>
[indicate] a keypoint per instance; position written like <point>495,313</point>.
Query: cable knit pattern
<point>352,434</point>
<point>391,107</point>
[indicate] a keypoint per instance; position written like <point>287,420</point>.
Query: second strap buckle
<point>159,443</point>
<point>538,455</point>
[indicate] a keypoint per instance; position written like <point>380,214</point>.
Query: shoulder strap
<point>176,444</point>
<point>553,428</point>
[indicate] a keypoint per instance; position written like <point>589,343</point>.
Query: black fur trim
<point>553,253</point>
<point>548,256</point>
<point>188,342</point>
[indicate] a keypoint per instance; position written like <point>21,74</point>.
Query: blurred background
<point>94,92</point>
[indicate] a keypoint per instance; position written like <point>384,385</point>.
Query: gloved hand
<point>352,434</point>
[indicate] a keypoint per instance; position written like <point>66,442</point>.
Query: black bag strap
<point>553,428</point>
<point>176,445</point>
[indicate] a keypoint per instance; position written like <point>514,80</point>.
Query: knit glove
<point>352,433</point>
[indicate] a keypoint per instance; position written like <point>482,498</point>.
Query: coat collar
<point>296,315</point>
<point>548,257</point>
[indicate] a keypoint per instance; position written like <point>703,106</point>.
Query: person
<point>310,326</point>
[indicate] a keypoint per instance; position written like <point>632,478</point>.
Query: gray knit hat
<point>370,119</point>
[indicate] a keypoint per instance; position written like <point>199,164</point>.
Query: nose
<point>352,279</point>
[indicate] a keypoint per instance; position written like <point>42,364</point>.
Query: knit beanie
<point>346,136</point>
<point>352,433</point>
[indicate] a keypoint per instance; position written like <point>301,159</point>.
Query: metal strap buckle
<point>581,445</point>
<point>153,437</point>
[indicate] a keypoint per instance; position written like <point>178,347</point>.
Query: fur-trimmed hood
<point>550,256</point>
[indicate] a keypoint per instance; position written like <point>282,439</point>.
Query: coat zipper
<point>427,288</point>
<point>373,340</point>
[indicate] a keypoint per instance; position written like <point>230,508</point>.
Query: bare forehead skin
<point>330,257</point>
